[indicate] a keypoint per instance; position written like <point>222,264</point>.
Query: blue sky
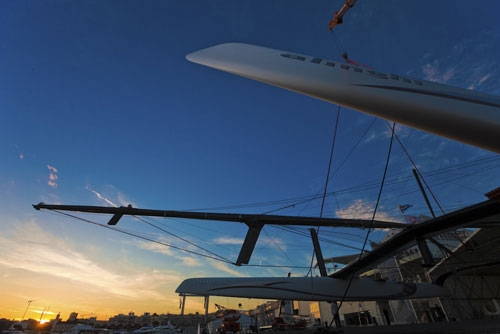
<point>102,93</point>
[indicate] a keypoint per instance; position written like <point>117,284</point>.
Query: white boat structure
<point>308,288</point>
<point>165,329</point>
<point>459,114</point>
<point>455,113</point>
<point>87,329</point>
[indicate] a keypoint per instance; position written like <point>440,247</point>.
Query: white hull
<point>307,288</point>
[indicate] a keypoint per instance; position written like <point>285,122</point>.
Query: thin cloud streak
<point>462,67</point>
<point>119,197</point>
<point>101,197</point>
<point>154,247</point>
<point>190,261</point>
<point>26,250</point>
<point>223,267</point>
<point>227,241</point>
<point>123,200</point>
<point>267,241</point>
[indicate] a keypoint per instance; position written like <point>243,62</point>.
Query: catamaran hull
<point>459,114</point>
<point>308,288</point>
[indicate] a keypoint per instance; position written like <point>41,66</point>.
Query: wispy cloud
<point>187,260</point>
<point>123,200</point>
<point>434,71</point>
<point>471,63</point>
<point>228,241</point>
<point>52,169</point>
<point>33,249</point>
<point>52,176</point>
<point>101,197</point>
<point>154,247</point>
<point>264,241</point>
<point>115,197</point>
<point>223,267</point>
<point>273,242</point>
<point>190,261</point>
<point>361,209</point>
<point>382,132</point>
<point>479,82</point>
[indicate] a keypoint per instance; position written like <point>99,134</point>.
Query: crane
<point>27,307</point>
<point>338,17</point>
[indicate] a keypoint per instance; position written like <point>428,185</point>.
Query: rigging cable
<point>361,187</point>
<point>221,259</point>
<point>272,239</point>
<point>336,243</point>
<point>174,220</point>
<point>369,228</point>
<point>338,43</point>
<point>326,181</point>
<point>422,177</point>
<point>179,248</point>
<point>142,237</point>
<point>178,237</point>
<point>309,199</point>
<point>354,147</point>
<point>418,170</point>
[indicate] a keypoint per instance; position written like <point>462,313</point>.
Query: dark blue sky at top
<point>102,91</point>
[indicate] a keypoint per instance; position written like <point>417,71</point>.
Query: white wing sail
<point>455,113</point>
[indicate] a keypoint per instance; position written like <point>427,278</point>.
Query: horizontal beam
<point>249,219</point>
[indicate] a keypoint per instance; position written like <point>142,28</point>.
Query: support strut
<point>319,254</point>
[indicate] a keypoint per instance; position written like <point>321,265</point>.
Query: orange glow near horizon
<point>106,311</point>
<point>71,275</point>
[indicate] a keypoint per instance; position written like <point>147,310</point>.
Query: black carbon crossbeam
<point>254,222</point>
<point>248,219</point>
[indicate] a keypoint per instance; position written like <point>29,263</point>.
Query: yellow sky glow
<point>40,266</point>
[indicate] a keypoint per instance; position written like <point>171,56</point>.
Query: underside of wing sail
<point>455,113</point>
